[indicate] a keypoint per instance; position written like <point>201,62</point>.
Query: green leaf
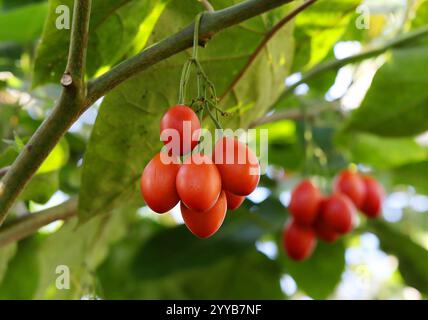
<point>207,270</point>
<point>413,258</point>
<point>421,17</point>
<point>41,187</point>
<point>81,249</point>
<point>22,276</point>
<point>413,174</point>
<point>318,28</point>
<point>321,273</point>
<point>126,133</point>
<point>122,24</point>
<point>6,254</point>
<point>396,103</point>
<point>380,152</point>
<point>176,249</point>
<point>56,159</point>
<point>23,24</point>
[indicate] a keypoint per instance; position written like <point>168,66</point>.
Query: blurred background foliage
<point>374,115</point>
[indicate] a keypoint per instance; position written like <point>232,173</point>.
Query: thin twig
<point>291,114</point>
<point>208,6</point>
<point>336,64</point>
<point>29,224</point>
<point>264,42</point>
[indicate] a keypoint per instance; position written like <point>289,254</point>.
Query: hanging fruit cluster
<point>205,185</point>
<point>328,217</point>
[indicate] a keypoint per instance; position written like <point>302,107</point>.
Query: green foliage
<point>385,113</point>
<point>6,254</point>
<point>381,152</point>
<point>116,29</point>
<point>413,258</point>
<point>319,275</point>
<point>318,29</point>
<point>22,24</point>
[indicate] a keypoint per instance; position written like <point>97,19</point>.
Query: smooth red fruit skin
<point>158,185</point>
<point>233,201</point>
<point>323,231</point>
<point>205,224</point>
<point>198,184</point>
<point>351,184</point>
<point>372,206</point>
<point>173,119</point>
<point>299,242</point>
<point>305,203</point>
<point>337,213</point>
<point>239,178</point>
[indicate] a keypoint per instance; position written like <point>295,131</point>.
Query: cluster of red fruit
<point>205,186</point>
<point>327,218</point>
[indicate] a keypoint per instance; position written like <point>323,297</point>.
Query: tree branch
<point>212,22</point>
<point>29,224</point>
<point>4,170</point>
<point>337,64</point>
<point>291,114</point>
<point>58,122</point>
<point>264,42</point>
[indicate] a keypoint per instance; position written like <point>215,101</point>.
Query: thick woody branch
<point>64,114</point>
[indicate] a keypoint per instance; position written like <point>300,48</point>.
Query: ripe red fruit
<point>337,213</point>
<point>205,224</point>
<point>158,185</point>
<point>305,203</point>
<point>351,184</point>
<point>372,205</point>
<point>183,119</point>
<point>238,166</point>
<point>198,183</point>
<point>233,201</point>
<point>299,242</point>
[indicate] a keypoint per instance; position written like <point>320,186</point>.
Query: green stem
<point>337,64</point>
<point>28,225</point>
<point>64,114</point>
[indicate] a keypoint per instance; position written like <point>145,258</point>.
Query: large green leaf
<point>41,187</point>
<point>116,28</point>
<point>318,28</point>
<point>320,274</point>
<point>207,270</point>
<point>176,249</point>
<point>396,103</point>
<point>22,276</point>
<point>413,258</point>
<point>381,152</point>
<point>81,249</point>
<point>23,24</point>
<point>6,254</point>
<point>126,133</point>
<point>414,174</point>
